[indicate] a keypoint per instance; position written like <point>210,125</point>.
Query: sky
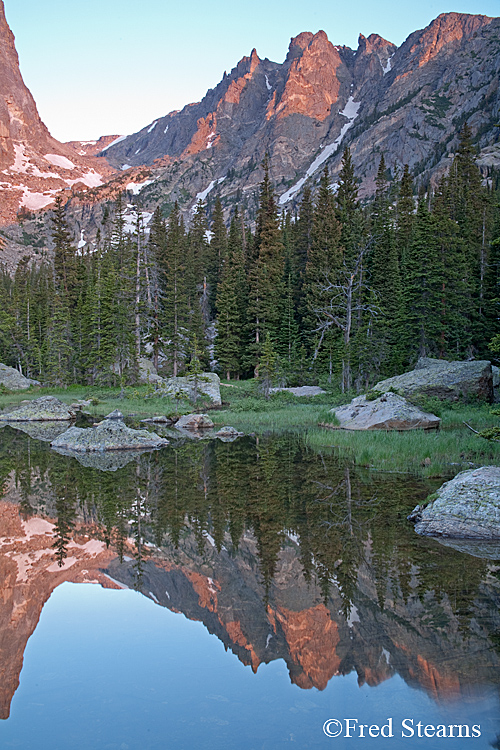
<point>110,67</point>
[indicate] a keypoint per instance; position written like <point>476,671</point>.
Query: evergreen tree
<point>322,269</point>
<point>266,275</point>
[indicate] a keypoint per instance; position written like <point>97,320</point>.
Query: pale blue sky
<point>112,66</point>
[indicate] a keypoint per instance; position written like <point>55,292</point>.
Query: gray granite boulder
<point>147,372</point>
<point>208,386</point>
<point>388,412</point>
<point>194,422</point>
<point>13,380</point>
<point>108,435</point>
<point>44,409</point>
<point>450,381</point>
<point>467,507</point>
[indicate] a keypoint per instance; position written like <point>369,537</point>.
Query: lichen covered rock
<point>13,380</point>
<point>44,409</point>
<point>467,507</point>
<point>208,384</point>
<point>448,381</point>
<point>108,435</point>
<point>388,412</point>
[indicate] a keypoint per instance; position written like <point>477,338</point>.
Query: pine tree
<point>266,275</point>
<point>385,283</point>
<point>231,305</point>
<point>176,316</point>
<point>422,286</point>
<point>322,269</point>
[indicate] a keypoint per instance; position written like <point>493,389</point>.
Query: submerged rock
<point>467,507</point>
<point>13,380</point>
<point>44,409</point>
<point>208,385</point>
<point>108,435</point>
<point>388,412</point>
<point>449,381</point>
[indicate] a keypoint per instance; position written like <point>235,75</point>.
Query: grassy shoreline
<point>420,453</point>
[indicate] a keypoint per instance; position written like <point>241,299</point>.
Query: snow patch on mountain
<point>113,143</point>
<point>153,126</point>
<point>135,188</point>
<point>202,196</point>
<point>34,201</point>
<point>388,67</point>
<point>350,111</point>
<point>59,161</point>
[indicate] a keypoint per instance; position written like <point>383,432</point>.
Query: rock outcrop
<point>388,412</point>
<point>108,435</point>
<point>449,381</point>
<point>467,507</point>
<point>208,385</point>
<point>44,409</point>
<point>13,380</point>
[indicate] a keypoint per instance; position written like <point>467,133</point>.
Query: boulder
<point>467,507</point>
<point>147,372</point>
<point>208,385</point>
<point>108,435</point>
<point>161,419</point>
<point>116,414</point>
<point>450,381</point>
<point>194,422</point>
<point>388,412</point>
<point>13,380</point>
<point>44,409</point>
<point>227,434</point>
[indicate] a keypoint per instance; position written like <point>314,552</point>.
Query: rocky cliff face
<point>408,103</point>
<point>34,166</point>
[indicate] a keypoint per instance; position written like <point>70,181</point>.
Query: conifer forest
<point>337,291</point>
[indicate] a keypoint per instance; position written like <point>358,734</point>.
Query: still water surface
<point>233,596</point>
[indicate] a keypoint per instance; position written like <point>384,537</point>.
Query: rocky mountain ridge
<point>407,102</point>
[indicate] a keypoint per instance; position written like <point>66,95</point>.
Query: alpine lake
<point>255,595</point>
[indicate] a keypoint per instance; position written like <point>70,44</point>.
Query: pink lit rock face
<point>35,166</point>
<point>303,111</point>
<point>404,102</point>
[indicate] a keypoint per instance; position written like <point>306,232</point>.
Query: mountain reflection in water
<point>280,551</point>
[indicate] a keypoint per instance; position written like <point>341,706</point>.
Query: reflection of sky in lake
<point>110,670</point>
